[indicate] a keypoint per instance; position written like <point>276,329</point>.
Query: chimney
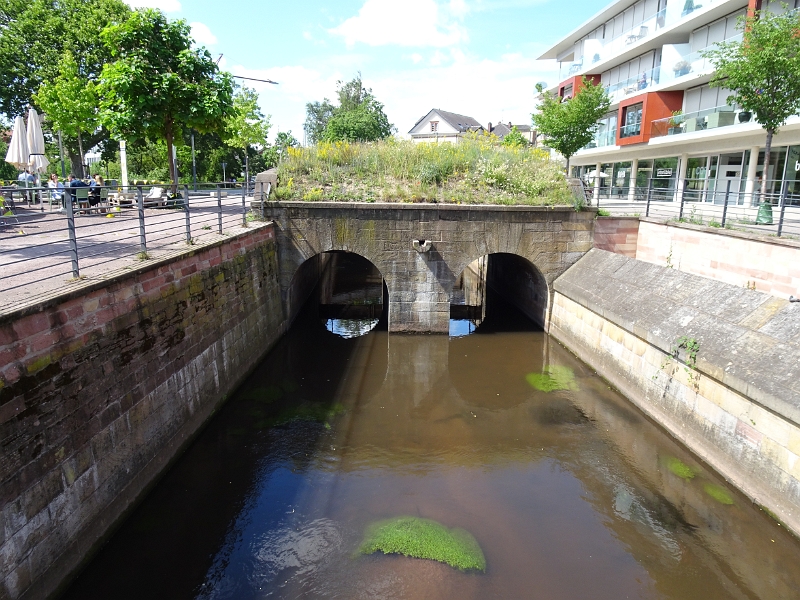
<point>509,124</point>
<point>489,127</point>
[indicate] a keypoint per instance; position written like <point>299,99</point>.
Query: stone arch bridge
<point>421,249</point>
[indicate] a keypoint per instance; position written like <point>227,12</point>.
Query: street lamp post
<point>224,179</point>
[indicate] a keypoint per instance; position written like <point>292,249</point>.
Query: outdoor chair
<point>82,197</point>
<point>8,215</point>
<point>104,197</point>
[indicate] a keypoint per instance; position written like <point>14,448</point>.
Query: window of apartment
<point>566,92</point>
<point>434,126</point>
<point>631,120</point>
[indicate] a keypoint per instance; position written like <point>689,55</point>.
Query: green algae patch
<point>424,538</point>
<point>304,411</point>
<point>680,468</point>
<point>718,493</point>
<point>552,379</point>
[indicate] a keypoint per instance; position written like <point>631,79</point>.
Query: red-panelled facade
<point>654,106</point>
<point>573,85</point>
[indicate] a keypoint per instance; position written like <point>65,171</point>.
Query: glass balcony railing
<point>622,89</point>
<point>630,130</point>
<point>711,118</point>
<point>603,138</point>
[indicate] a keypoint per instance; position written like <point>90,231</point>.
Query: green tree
<point>359,117</point>
<point>762,71</point>
<point>514,139</point>
<point>317,116</point>
<point>159,84</point>
<point>34,37</point>
<point>69,101</point>
<point>246,126</point>
<point>569,125</point>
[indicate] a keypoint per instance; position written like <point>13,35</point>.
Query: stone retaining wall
<point>100,389</point>
<point>767,264</point>
<point>738,407</point>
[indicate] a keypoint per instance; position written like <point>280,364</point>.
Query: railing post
<point>725,205</point>
<point>649,195</point>
<point>186,212</point>
<point>269,189</point>
<point>73,239</point>
<point>784,187</point>
<point>244,204</point>
<point>683,199</point>
<point>140,206</point>
<point>219,208</point>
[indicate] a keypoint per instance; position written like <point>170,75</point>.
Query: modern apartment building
<point>665,122</point>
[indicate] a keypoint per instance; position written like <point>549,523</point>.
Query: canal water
<point>571,493</point>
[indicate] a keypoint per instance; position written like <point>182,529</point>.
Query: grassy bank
<point>476,171</point>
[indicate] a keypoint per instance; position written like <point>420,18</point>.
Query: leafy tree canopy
<point>569,125</point>
<point>514,139</point>
<point>763,70</point>
<point>359,116</point>
<point>246,126</point>
<point>69,100</point>
<point>159,84</point>
<point>317,116</point>
<point>35,36</point>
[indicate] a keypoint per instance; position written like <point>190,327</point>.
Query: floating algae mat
<point>552,379</point>
<point>424,538</point>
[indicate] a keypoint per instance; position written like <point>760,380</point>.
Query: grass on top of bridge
<point>478,170</point>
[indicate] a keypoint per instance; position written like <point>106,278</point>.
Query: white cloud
<point>202,34</point>
<point>417,23</point>
<point>167,6</point>
<point>416,58</point>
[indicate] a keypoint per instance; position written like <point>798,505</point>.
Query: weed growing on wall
<point>424,538</point>
<point>477,170</point>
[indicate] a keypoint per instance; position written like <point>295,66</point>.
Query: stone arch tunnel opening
<point>498,292</point>
<point>350,295</point>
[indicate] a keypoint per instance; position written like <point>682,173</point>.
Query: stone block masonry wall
<point>772,265</point>
<point>420,284</point>
<point>100,389</point>
<point>738,407</point>
<point>767,264</point>
<point>617,234</point>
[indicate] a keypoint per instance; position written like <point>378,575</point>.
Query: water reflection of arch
<point>517,278</point>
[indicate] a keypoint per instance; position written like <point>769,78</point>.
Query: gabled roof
<point>458,122</point>
<point>501,130</point>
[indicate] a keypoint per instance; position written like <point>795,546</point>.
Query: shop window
<point>632,120</point>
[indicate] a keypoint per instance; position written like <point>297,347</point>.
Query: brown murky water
<point>571,494</point>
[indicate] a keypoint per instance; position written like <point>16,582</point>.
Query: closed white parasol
<point>38,161</point>
<point>17,153</point>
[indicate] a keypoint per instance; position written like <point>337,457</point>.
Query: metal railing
<point>775,213</point>
<point>49,240</point>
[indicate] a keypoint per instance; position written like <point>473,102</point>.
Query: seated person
<point>57,189</point>
<point>74,182</point>
<point>95,184</point>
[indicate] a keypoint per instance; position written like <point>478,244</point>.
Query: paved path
<point>35,257</point>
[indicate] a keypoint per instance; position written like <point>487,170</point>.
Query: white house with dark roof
<point>501,130</point>
<point>442,126</point>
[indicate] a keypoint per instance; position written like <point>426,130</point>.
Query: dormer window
<point>434,126</point>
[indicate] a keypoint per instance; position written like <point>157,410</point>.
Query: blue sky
<point>474,57</point>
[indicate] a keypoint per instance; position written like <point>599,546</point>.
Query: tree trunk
<point>568,166</point>
<point>81,173</point>
<point>767,151</point>
<point>172,174</point>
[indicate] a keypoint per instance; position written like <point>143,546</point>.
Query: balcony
<point>711,118</point>
<point>595,51</point>
<point>677,62</point>
<point>634,85</point>
<point>602,139</point>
